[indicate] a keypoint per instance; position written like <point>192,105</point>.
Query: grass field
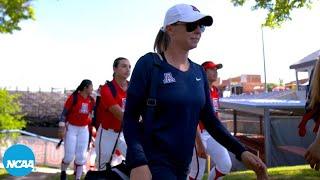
<point>286,172</point>
<point>3,173</point>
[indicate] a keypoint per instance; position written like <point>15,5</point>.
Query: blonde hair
<point>315,86</point>
<point>161,42</point>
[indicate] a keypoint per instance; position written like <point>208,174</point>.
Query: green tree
<point>10,113</point>
<point>12,12</point>
<point>278,10</point>
<point>281,82</point>
<point>270,86</point>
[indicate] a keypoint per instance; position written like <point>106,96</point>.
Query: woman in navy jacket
<point>161,147</point>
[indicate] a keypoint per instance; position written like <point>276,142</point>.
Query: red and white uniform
<point>219,154</point>
<point>110,126</point>
<point>92,153</point>
<point>77,134</point>
<point>214,92</point>
<point>80,113</point>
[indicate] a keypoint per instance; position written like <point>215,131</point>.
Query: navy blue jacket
<point>183,99</point>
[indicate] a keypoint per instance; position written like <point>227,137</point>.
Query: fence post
<point>45,153</point>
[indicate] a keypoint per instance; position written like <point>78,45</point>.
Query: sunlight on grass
<point>286,172</point>
<point>3,173</point>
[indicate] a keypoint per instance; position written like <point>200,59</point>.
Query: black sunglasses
<point>190,27</point>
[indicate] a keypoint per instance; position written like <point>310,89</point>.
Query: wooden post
<point>260,120</point>
<point>267,137</point>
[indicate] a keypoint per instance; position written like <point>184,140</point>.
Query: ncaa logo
<point>18,160</point>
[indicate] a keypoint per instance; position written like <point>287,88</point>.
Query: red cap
<point>210,65</point>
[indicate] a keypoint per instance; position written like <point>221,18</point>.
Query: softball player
<point>73,127</point>
<point>110,112</point>
<point>217,152</point>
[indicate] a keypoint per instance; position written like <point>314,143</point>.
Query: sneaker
<point>63,175</point>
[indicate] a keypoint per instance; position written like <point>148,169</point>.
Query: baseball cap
<point>185,13</point>
<point>211,65</point>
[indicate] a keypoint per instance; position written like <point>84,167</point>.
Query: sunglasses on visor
<point>191,26</point>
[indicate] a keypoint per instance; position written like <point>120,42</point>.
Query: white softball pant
<point>105,141</point>
<point>76,144</point>
<point>219,155</point>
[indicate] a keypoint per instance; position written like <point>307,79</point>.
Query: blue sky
<point>75,39</point>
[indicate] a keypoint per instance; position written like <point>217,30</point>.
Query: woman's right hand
<point>141,173</point>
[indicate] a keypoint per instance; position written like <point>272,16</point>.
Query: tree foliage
<point>12,12</point>
<point>10,111</point>
<point>278,10</point>
<point>270,86</point>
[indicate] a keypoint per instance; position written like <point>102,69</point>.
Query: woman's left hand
<point>254,163</point>
<point>201,151</point>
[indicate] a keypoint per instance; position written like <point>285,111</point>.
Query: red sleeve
<point>68,103</point>
<point>107,99</point>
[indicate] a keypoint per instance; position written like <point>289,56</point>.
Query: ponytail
<point>161,42</point>
<point>85,83</point>
<point>315,86</point>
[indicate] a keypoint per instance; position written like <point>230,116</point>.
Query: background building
<point>245,83</point>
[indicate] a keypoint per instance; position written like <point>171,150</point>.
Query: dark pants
<point>167,173</point>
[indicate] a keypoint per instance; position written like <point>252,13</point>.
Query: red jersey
<point>104,116</point>
<point>214,92</point>
<point>79,114</point>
